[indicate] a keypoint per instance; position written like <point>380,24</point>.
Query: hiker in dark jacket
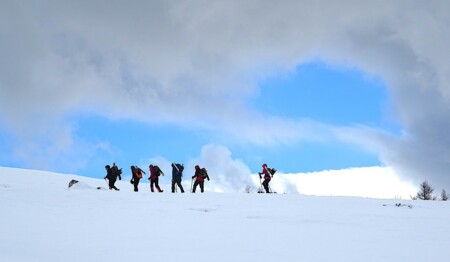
<point>268,175</point>
<point>155,172</point>
<point>200,175</point>
<point>116,171</point>
<point>177,173</point>
<point>137,175</point>
<point>111,176</point>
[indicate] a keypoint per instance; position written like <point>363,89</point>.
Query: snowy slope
<point>42,220</point>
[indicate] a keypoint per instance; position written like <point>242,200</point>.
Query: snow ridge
<point>42,220</point>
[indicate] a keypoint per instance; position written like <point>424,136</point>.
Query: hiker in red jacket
<point>268,174</point>
<point>155,172</point>
<point>200,175</point>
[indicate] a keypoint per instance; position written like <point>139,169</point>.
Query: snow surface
<point>42,220</point>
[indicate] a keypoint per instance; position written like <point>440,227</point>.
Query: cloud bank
<point>227,174</point>
<point>233,175</point>
<point>372,182</point>
<point>175,61</point>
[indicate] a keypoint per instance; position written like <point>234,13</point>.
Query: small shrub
<point>425,192</point>
<point>444,195</point>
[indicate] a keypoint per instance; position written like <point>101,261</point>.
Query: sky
<point>303,86</point>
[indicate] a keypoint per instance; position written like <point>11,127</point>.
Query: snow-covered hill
<point>42,220</point>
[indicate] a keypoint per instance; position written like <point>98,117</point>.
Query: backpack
<point>203,173</point>
<point>138,174</point>
<point>272,171</point>
<point>158,171</point>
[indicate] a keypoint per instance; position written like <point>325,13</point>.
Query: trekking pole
<point>192,181</point>
<point>174,165</point>
<point>260,186</point>
<point>178,171</point>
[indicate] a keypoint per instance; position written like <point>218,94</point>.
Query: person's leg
<point>136,183</point>
<point>173,185</point>
<point>110,184</point>
<point>180,186</point>
<point>266,185</point>
<point>202,186</point>
<point>195,185</point>
<point>113,185</point>
<point>157,185</point>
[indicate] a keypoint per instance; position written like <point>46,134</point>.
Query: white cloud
<point>195,61</point>
<point>233,175</point>
<point>227,174</point>
<point>373,182</point>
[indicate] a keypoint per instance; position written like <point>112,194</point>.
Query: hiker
<point>137,175</point>
<point>111,177</point>
<point>268,174</point>
<point>200,175</point>
<point>155,172</point>
<point>116,171</point>
<point>177,173</point>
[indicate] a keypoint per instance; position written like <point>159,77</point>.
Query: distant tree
<point>444,195</point>
<point>425,192</point>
